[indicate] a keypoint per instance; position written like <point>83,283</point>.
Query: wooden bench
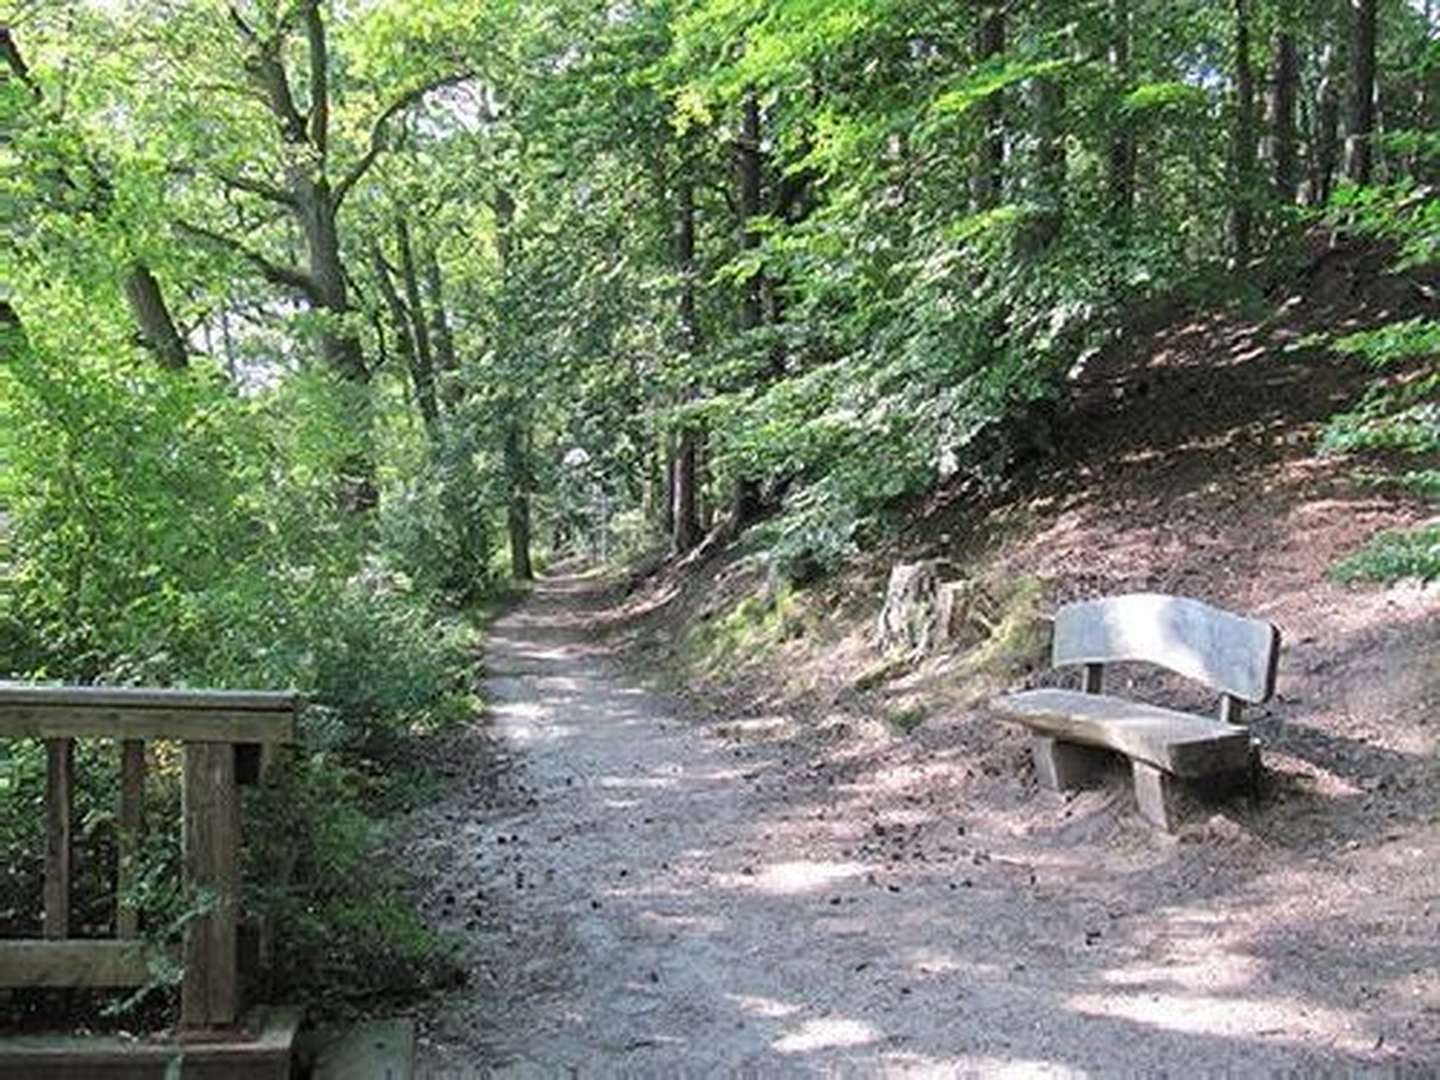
<point>1076,730</point>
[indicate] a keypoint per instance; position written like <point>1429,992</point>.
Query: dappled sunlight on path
<point>654,896</point>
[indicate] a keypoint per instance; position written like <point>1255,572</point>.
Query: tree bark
<point>750,168</point>
<point>1282,116</point>
<point>1242,153</point>
<point>156,328</point>
<point>684,512</point>
<point>1360,116</point>
<point>1047,105</point>
<point>747,503</point>
<point>1325,140</point>
<point>446,363</point>
<point>420,330</point>
<point>517,506</point>
<point>989,176</point>
<point>514,453</point>
<point>401,326</point>
<point>1121,164</point>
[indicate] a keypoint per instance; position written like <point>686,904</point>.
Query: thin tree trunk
<point>1121,170</point>
<point>1047,105</point>
<point>1325,142</point>
<point>990,167</point>
<point>684,513</point>
<point>401,326</point>
<point>517,506</point>
<point>446,363</point>
<point>420,330</point>
<point>514,450</point>
<point>747,501</point>
<point>1360,117</point>
<point>1242,207</point>
<point>1282,116</point>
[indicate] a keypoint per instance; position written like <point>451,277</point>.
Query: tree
<point>1360,115</point>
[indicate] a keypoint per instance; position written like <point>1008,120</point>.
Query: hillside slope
<point>1187,463</point>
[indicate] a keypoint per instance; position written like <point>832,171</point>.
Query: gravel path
<point>641,894</point>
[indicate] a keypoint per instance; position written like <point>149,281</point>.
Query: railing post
<point>59,815</point>
<point>210,838</point>
<point>131,822</point>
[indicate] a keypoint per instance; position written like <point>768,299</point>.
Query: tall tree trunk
<point>1284,95</point>
<point>747,503</point>
<point>1242,153</point>
<point>517,506</point>
<point>152,317</point>
<point>401,325</point>
<point>1325,141</point>
<point>989,176</point>
<point>339,346</point>
<point>446,363</point>
<point>514,454</point>
<point>1121,164</point>
<point>1047,106</point>
<point>1360,116</point>
<point>750,169</point>
<point>420,330</point>
<point>684,477</point>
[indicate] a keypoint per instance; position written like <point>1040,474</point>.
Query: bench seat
<point>1180,743</point>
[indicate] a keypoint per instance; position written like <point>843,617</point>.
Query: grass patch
<point>752,628</point>
<point>908,719</point>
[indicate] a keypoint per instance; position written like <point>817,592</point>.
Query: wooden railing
<point>226,737</point>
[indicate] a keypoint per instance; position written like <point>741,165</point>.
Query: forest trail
<point>641,893</point>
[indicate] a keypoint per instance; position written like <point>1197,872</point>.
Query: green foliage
<point>345,934</point>
<point>1395,555</point>
<point>1400,411</point>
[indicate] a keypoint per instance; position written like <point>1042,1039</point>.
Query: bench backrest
<point>1235,655</point>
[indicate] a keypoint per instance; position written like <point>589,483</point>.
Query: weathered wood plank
<point>131,824</point>
<point>34,962</point>
<point>46,721</point>
<point>210,841</point>
<point>1177,742</point>
<point>140,697</point>
<point>1229,652</point>
<point>59,818</point>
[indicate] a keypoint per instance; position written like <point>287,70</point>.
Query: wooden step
<point>263,1055</point>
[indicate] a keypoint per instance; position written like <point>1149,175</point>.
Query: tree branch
<point>268,73</point>
<point>377,131</point>
<point>319,76</point>
<point>285,276</point>
<point>16,63</point>
<point>257,187</point>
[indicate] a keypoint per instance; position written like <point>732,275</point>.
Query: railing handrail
<point>122,712</point>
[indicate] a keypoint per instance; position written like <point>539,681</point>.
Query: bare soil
<point>755,873</point>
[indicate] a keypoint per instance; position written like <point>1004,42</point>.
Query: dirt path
<point>650,895</point>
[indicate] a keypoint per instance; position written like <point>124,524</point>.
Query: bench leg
<point>1155,793</point>
<point>1062,765</point>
